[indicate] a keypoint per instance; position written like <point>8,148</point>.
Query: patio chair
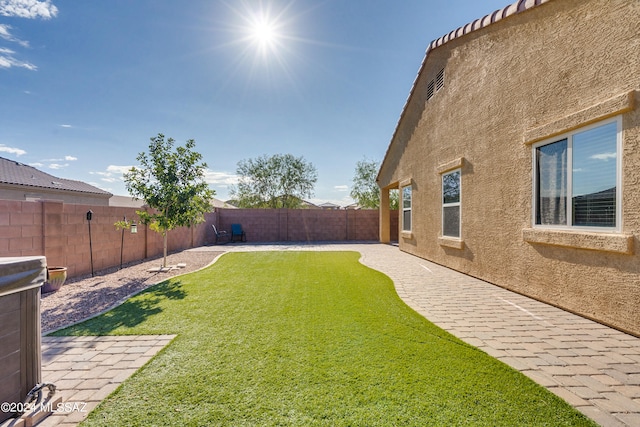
<point>238,232</point>
<point>221,235</point>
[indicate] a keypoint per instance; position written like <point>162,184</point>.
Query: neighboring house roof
<point>353,206</point>
<point>16,173</point>
<point>132,202</point>
<point>500,14</point>
<point>222,204</point>
<point>126,202</point>
<point>329,205</point>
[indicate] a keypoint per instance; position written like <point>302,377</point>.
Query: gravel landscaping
<point>86,296</point>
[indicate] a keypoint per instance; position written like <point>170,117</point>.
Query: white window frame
<point>569,137</point>
<point>406,209</point>
<point>452,204</point>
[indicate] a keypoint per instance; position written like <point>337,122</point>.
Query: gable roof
<point>16,173</point>
<point>500,14</point>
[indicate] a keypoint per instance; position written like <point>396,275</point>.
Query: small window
<point>576,179</point>
<point>406,208</point>
<point>451,204</point>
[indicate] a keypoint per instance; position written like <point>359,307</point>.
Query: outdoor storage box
<point>20,357</point>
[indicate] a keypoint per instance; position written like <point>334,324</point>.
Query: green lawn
<point>307,338</point>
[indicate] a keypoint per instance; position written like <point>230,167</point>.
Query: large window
<point>451,204</point>
<point>577,178</point>
<point>406,208</point>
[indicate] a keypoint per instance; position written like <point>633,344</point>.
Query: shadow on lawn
<point>132,312</point>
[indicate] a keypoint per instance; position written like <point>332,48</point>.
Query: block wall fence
<point>303,225</point>
<point>60,231</point>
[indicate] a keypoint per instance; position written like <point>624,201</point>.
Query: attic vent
<point>435,85</point>
<point>440,80</point>
<point>56,183</point>
<point>430,89</point>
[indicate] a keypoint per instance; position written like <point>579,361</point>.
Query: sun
<point>263,36</point>
<point>264,33</point>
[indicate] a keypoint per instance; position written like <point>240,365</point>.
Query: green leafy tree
<point>278,181</point>
<point>172,183</point>
<point>365,190</point>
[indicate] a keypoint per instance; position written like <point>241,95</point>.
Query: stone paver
<point>84,374</point>
<point>593,367</point>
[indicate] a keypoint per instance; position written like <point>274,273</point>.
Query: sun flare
<point>264,33</point>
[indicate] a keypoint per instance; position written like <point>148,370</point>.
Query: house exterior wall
<point>21,192</point>
<point>531,76</point>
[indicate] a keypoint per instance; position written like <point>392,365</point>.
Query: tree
<point>365,190</point>
<point>172,183</point>
<point>278,181</point>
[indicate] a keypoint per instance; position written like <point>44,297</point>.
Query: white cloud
<point>12,150</point>
<point>5,33</point>
<point>66,126</point>
<point>7,60</point>
<point>29,9</point>
<point>57,166</point>
<point>62,159</point>
<point>118,169</point>
<point>220,178</point>
<point>341,187</point>
<point>113,173</point>
<point>604,156</point>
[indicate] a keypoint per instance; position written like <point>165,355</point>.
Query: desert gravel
<point>84,297</point>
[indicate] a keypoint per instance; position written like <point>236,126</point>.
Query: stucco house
<point>23,182</point>
<point>517,155</point>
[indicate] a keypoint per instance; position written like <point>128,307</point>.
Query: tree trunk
<point>164,262</point>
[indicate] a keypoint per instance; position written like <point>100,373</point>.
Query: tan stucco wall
<point>522,79</point>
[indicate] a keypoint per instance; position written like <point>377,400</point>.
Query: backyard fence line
<point>303,225</point>
<point>60,231</point>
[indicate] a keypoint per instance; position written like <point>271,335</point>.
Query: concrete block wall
<point>302,225</point>
<point>60,231</point>
<point>20,228</point>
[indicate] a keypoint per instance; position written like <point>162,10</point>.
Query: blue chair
<point>237,231</point>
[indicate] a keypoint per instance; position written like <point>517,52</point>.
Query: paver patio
<point>86,370</point>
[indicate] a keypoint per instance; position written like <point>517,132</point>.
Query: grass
<point>307,338</point>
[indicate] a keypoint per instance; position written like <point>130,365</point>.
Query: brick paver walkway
<point>86,370</point>
<point>594,368</point>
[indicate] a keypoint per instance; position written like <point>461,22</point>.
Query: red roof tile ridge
<point>512,9</point>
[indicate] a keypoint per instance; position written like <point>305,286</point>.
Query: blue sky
<point>85,84</point>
